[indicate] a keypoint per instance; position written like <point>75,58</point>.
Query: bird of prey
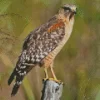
<point>43,44</point>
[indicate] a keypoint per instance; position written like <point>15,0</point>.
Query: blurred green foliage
<point>77,65</point>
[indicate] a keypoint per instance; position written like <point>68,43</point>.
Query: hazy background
<point>77,65</point>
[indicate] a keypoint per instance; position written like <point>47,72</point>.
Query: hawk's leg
<point>46,74</point>
<point>52,72</point>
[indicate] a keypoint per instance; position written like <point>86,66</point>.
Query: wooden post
<point>51,90</point>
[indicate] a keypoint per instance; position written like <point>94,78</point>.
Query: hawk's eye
<point>66,9</point>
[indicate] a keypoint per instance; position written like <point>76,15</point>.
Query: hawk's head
<point>68,10</point>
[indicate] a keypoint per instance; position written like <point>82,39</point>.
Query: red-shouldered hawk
<point>43,44</point>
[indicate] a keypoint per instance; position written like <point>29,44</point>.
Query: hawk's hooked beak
<point>73,12</point>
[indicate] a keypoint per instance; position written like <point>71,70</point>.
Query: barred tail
<point>19,72</point>
<point>17,85</point>
<point>19,77</point>
<point>11,77</point>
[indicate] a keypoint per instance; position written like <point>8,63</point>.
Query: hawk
<point>43,44</point>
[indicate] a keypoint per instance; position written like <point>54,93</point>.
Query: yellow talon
<point>45,79</point>
<point>58,81</point>
<point>52,79</point>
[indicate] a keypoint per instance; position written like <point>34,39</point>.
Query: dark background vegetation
<point>77,65</point>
